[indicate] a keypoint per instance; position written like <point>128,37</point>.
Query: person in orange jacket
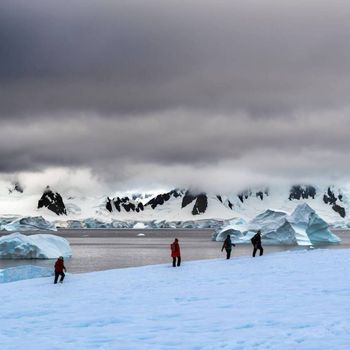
<point>175,252</point>
<point>59,268</point>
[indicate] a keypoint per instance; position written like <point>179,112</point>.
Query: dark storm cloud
<point>144,56</point>
<point>152,148</point>
<point>176,91</point>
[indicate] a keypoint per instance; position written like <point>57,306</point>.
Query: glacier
<point>302,227</point>
<point>40,246</point>
<point>24,272</point>
<point>28,224</point>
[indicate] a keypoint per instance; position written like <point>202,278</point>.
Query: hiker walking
<point>228,246</point>
<point>256,241</point>
<point>175,252</point>
<point>59,268</point>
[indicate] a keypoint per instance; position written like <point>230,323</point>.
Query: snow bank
<point>302,227</point>
<point>24,272</point>
<point>293,300</point>
<point>41,246</point>
<point>29,223</point>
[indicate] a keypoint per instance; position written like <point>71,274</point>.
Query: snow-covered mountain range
<point>330,202</point>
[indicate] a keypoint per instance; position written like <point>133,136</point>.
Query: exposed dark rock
<point>187,199</point>
<point>16,187</point>
<point>140,207</point>
<point>123,203</point>
<point>248,193</point>
<point>219,198</point>
<point>244,195</point>
<point>52,201</point>
<point>129,206</point>
<point>331,199</point>
<point>201,204</point>
<point>109,205</point>
<point>260,194</point>
<point>302,192</point>
<point>230,204</point>
<point>164,197</point>
<point>340,210</point>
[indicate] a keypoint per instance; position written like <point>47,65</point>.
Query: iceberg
<point>24,272</point>
<point>95,223</point>
<point>41,246</point>
<point>302,227</point>
<point>305,219</point>
<point>29,224</point>
<point>140,225</point>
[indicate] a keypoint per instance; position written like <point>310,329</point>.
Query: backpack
<point>254,240</point>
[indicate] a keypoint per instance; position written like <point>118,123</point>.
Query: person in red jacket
<point>175,252</point>
<point>59,268</point>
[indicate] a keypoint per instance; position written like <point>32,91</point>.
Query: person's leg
<point>254,251</point>
<point>228,253</point>
<point>56,277</point>
<point>178,260</point>
<point>174,261</point>
<point>261,250</point>
<point>62,277</point>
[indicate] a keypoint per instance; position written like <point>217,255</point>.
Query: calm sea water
<point>95,250</point>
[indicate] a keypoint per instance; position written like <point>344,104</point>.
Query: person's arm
<point>64,268</point>
<point>223,246</point>
<point>233,245</point>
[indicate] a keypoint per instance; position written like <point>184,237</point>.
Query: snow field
<point>292,300</point>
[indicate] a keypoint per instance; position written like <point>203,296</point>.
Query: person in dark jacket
<point>175,252</point>
<point>228,246</point>
<point>256,241</point>
<point>59,268</point>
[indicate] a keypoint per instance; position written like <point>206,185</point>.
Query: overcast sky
<point>144,94</point>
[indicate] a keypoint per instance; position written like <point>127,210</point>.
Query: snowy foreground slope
<point>292,300</point>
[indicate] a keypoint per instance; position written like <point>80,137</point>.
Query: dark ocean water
<point>95,250</point>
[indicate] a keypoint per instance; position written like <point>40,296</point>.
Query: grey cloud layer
<point>164,90</point>
<point>144,56</point>
<point>306,146</point>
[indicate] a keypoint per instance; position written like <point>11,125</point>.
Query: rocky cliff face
<point>124,203</point>
<point>244,195</point>
<point>334,201</point>
<point>299,192</point>
<point>52,201</point>
<point>302,192</point>
<point>200,204</point>
<point>249,202</point>
<point>162,198</point>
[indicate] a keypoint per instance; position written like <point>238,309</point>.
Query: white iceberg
<point>302,227</point>
<point>139,225</point>
<point>29,224</point>
<point>305,219</point>
<point>41,246</point>
<point>24,272</point>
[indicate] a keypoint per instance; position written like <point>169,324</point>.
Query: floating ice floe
<point>302,227</point>
<point>29,224</point>
<point>24,272</point>
<point>41,246</point>
<point>140,225</point>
